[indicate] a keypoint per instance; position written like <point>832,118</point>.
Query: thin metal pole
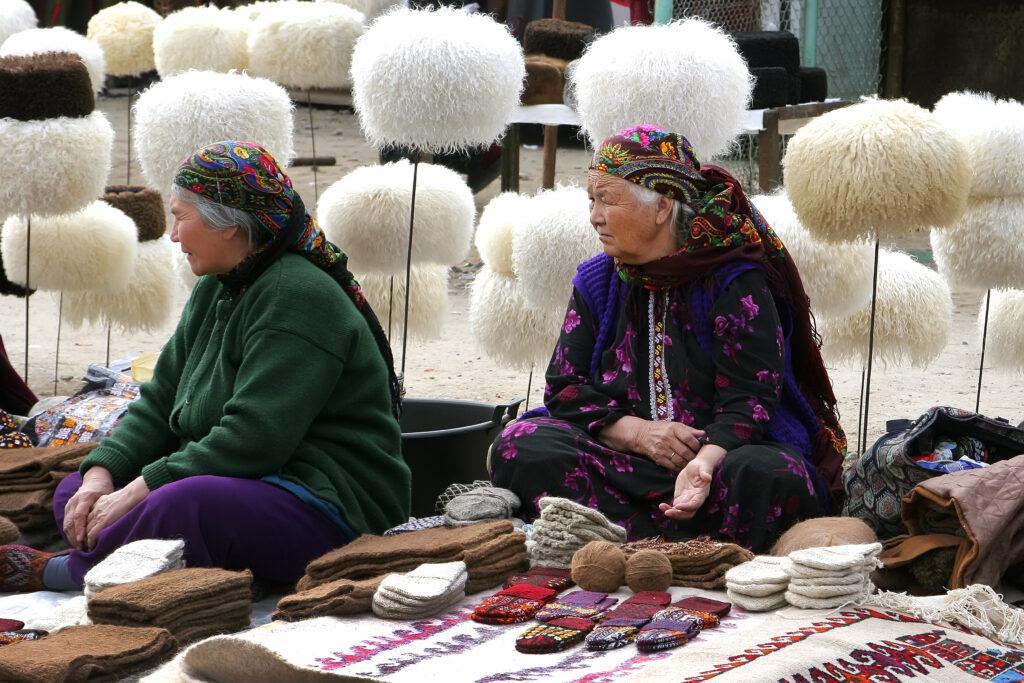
<point>56,360</point>
<point>408,262</point>
<point>984,339</point>
<point>860,411</point>
<point>109,325</point>
<point>871,345</point>
<point>312,140</point>
<point>529,387</point>
<point>391,304</point>
<point>28,284</point>
<point>128,163</point>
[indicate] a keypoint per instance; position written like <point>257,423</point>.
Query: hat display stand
<point>875,170</point>
<point>984,249</point>
<point>434,81</point>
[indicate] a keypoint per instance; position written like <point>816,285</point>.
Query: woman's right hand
<point>97,482</point>
<point>670,444</point>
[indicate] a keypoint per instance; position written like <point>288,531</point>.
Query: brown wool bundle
<point>44,87</point>
<point>143,205</point>
<point>824,532</point>
<point>125,32</point>
<point>557,38</point>
<point>39,41</point>
<point>599,566</point>
<point>648,570</point>
<point>545,80</point>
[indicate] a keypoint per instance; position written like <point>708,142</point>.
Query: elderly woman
<point>686,394</point>
<point>268,434</point>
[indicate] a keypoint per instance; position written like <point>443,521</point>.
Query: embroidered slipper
<point>549,577</point>
<point>619,627</point>
<point>710,612</point>
<point>513,605</point>
<point>584,604</point>
<point>668,628</point>
<point>20,635</point>
<point>11,625</point>
<point>554,636</point>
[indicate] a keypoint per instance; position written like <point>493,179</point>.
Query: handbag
<point>876,483</point>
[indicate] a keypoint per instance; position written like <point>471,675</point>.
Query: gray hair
<point>219,217</point>
<point>649,198</point>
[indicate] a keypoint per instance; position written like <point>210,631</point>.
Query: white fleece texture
<point>125,33</point>
<point>60,39</point>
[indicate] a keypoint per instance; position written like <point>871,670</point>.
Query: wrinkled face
<point>209,251</point>
<point>630,230</point>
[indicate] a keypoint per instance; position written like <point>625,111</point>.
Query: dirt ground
<point>452,366</point>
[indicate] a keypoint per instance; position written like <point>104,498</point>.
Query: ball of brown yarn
<point>648,570</point>
<point>599,566</point>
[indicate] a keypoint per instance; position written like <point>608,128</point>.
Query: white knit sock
<point>758,604</point>
<point>386,608</point>
<point>763,570</point>
<point>134,561</point>
<point>799,571</point>
<point>836,558</point>
<point>850,579</point>
<point>585,515</point>
<point>428,583</point>
<point>805,602</point>
<point>823,591</point>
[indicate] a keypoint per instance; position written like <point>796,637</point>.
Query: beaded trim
<point>661,403</point>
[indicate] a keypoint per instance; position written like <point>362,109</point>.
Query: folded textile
<point>134,561</point>
<point>762,577</point>
<point>758,604</point>
<point>805,602</point>
<point>698,563</point>
<point>416,524</point>
<point>564,527</point>
<point>72,612</point>
<point>80,653</point>
<point>29,510</point>
<point>798,571</point>
<point>337,598</point>
<point>829,590</point>
<point>482,504</point>
<point>33,464</point>
<point>9,531</point>
<point>836,558</point>
<point>425,591</point>
<point>848,580</point>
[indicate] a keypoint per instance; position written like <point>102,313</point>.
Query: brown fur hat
<point>557,38</point>
<point>45,86</point>
<point>824,532</point>
<point>144,205</point>
<point>545,80</point>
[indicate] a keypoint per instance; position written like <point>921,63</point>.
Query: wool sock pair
<point>134,561</point>
<point>425,591</point>
<point>566,622</point>
<point>620,626</point>
<point>523,596</point>
<point>21,568</point>
<point>680,623</point>
<point>759,585</point>
<point>825,578</point>
<point>564,527</point>
<point>483,504</point>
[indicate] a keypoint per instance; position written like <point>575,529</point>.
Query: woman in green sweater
<point>268,434</point>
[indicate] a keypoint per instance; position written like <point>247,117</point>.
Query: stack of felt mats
<point>191,603</point>
<point>699,563</point>
<point>344,580</point>
<point>28,478</point>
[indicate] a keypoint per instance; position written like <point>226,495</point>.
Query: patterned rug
<point>855,644</point>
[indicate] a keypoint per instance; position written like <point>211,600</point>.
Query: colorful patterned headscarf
<point>652,158</point>
<point>244,176</point>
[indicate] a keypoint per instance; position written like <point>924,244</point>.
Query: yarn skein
<point>599,566</point>
<point>648,570</point>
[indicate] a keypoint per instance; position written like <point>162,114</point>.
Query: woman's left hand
<point>112,507</point>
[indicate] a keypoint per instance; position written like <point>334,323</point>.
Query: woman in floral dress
<point>686,395</point>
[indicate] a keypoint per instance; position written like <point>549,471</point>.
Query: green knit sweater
<point>284,380</point>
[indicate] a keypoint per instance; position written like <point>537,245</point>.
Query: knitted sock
<point>805,602</point>
<point>847,580</point>
<point>134,561</point>
<point>581,512</point>
<point>11,637</point>
<point>11,625</point>
<point>585,604</point>
<point>549,577</point>
<point>416,525</point>
<point>513,605</point>
<point>554,636</point>
<point>755,604</point>
<point>837,557</point>
<point>760,571</point>
<point>481,504</point>
<point>386,607</point>
<point>428,582</point>
<point>799,571</point>
<point>21,568</point>
<point>667,629</point>
<point>620,626</point>
<point>709,611</point>
<point>827,591</point>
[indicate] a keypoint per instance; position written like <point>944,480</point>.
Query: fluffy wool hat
<point>687,76</point>
<point>93,248</point>
<point>369,8</point>
<point>186,112</point>
<point>436,80</point>
<point>15,16</point>
<point>985,248</point>
<point>59,39</point>
<point>125,33</point>
<point>1005,343</point>
<point>993,134</point>
<point>305,45</point>
<point>45,86</point>
<point>913,315</point>
<point>143,205</point>
<point>144,304</point>
<point>366,214</point>
<point>555,236</point>
<point>428,300</point>
<point>836,277</point>
<point>54,166</point>
<point>202,38</point>
<point>494,232</point>
<point>880,167</point>
<point>510,331</point>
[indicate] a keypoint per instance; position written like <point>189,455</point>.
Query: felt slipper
<point>585,604</point>
<point>709,611</point>
<point>619,627</point>
<point>513,605</point>
<point>554,636</point>
<point>11,625</point>
<point>667,629</point>
<point>549,577</point>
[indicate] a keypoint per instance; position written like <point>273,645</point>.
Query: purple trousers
<point>225,522</point>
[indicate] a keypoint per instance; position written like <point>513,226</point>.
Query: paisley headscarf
<point>244,176</point>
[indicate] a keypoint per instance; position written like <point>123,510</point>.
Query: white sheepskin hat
<point>369,8</point>
<point>687,77</point>
<point>125,32</point>
<point>993,133</point>
<point>436,80</point>
<point>305,45</point>
<point>1005,345</point>
<point>15,16</point>
<point>985,248</point>
<point>506,327</point>
<point>912,319</point>
<point>836,277</point>
<point>428,300</point>
<point>494,231</point>
<point>93,248</point>
<point>554,238</point>
<point>880,167</point>
<point>145,304</point>
<point>60,39</point>
<point>202,38</point>
<point>54,166</point>
<point>366,213</point>
<point>186,112</point>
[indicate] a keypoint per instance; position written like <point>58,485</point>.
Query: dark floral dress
<point>656,369</point>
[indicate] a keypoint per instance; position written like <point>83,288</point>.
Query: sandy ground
<point>452,366</point>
